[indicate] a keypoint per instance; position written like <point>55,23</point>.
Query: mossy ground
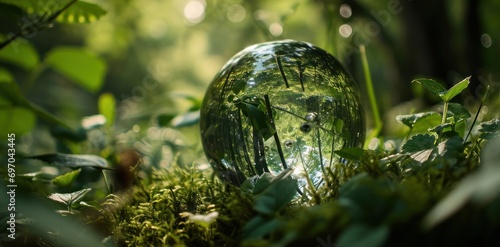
<point>380,200</point>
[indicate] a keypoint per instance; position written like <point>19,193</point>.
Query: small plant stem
<point>108,186</point>
<point>477,113</point>
<point>276,137</point>
<point>371,94</point>
<point>445,111</point>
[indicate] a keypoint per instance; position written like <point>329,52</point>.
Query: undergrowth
<point>424,193</point>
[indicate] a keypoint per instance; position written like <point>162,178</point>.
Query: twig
<point>43,24</point>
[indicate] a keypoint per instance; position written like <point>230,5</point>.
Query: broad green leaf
<point>73,160</point>
<point>239,85</point>
<point>259,227</point>
<point>447,149</point>
<point>418,143</point>
<point>458,111</point>
<point>20,53</point>
<point>69,198</point>
<point>77,12</point>
<point>107,106</point>
<point>490,128</point>
<point>74,135</point>
<point>67,179</point>
<point>27,5</point>
<point>257,118</point>
<point>366,198</point>
<point>187,119</point>
<point>14,115</point>
<point>78,64</point>
<point>11,95</point>
<point>364,236</point>
<point>424,123</point>
<point>5,76</point>
<point>455,90</point>
<point>433,86</point>
<point>480,187</point>
<point>165,119</point>
<point>16,120</point>
<point>81,12</point>
<point>352,154</point>
<point>411,119</point>
<point>249,184</point>
<point>276,196</point>
<point>196,102</point>
<point>262,183</point>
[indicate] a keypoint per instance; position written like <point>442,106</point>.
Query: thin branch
<point>41,25</point>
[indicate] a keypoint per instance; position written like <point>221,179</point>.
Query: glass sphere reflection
<point>276,105</point>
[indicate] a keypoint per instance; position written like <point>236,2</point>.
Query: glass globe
<point>277,105</point>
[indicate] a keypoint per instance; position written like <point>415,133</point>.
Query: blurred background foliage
<point>160,56</point>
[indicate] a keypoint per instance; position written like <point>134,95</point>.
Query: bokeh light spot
<point>345,30</point>
<point>345,10</point>
<point>486,40</point>
<point>194,11</point>
<point>275,29</point>
<point>236,13</point>
<point>136,128</point>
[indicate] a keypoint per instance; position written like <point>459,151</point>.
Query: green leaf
<point>67,179</point>
<point>187,119</point>
<point>458,111</point>
<point>418,143</point>
<point>249,184</point>
<point>352,154</point>
<point>85,68</point>
<point>257,118</point>
<point>433,86</point>
<point>14,115</point>
<point>259,227</point>
<point>77,12</point>
<point>165,119</point>
<point>412,119</point>
<point>107,106</point>
<point>455,90</point>
<point>16,119</point>
<point>81,12</point>
<point>5,76</point>
<point>20,53</point>
<point>490,128</point>
<point>10,95</point>
<point>276,196</point>
<point>423,124</point>
<point>69,198</point>
<point>262,183</point>
<point>480,188</point>
<point>364,236</point>
<point>448,149</point>
<point>28,5</point>
<point>73,160</point>
<point>366,198</point>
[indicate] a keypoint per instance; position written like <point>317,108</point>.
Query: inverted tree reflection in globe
<point>277,105</point>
